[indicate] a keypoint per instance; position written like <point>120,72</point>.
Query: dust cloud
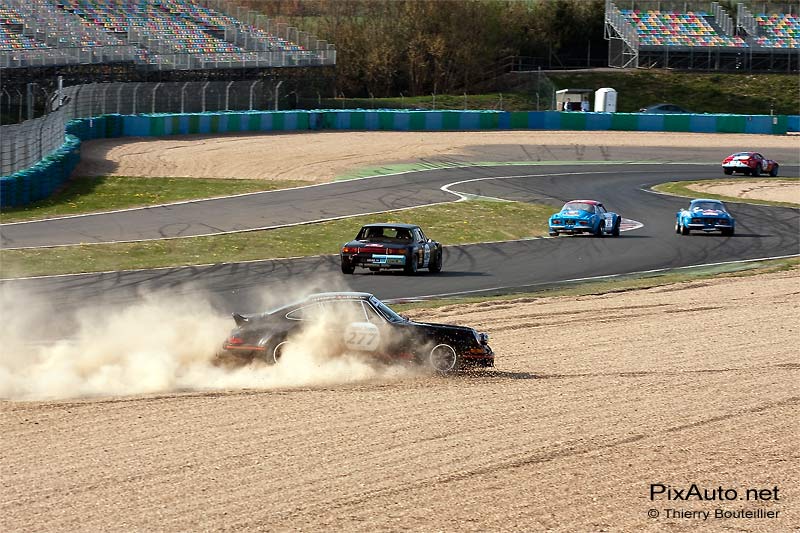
<point>159,344</point>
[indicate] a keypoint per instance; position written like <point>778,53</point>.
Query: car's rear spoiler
<point>240,319</point>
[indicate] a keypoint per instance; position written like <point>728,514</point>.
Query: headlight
<point>483,338</point>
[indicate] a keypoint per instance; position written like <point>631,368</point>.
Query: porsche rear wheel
<point>757,171</point>
<point>774,171</point>
<point>411,266</point>
<point>347,267</point>
<point>443,359</point>
<point>677,227</point>
<point>279,350</point>
<point>728,171</point>
<point>615,231</point>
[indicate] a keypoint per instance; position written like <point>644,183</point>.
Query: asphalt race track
<point>761,232</point>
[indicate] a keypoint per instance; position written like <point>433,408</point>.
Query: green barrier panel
<point>234,122</point>
<point>731,124</point>
<point>451,120</point>
<point>676,122</point>
<point>214,121</point>
<point>489,121</point>
<point>303,121</point>
<point>357,120</point>
<point>417,120</point>
<point>624,122</point>
<point>780,126</point>
<point>194,123</point>
<point>573,121</point>
<point>157,126</point>
<point>519,120</point>
<point>253,121</point>
<point>277,121</point>
<point>175,124</point>
<point>386,121</point>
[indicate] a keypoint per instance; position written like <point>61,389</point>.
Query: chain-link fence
<point>23,144</point>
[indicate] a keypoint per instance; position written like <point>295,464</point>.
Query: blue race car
<point>704,215</point>
<point>585,216</point>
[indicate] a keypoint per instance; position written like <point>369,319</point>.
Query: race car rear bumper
<point>571,229</point>
<point>375,260</point>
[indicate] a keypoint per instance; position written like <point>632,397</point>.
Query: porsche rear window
<point>384,233</point>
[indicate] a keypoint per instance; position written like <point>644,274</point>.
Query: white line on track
<point>574,280</point>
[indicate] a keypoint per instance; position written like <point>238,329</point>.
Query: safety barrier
<point>42,179</point>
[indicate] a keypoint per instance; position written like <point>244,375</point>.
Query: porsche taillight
<point>349,250</point>
<point>395,251</point>
<point>233,339</point>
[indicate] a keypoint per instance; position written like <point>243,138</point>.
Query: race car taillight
<point>235,340</point>
<point>349,250</point>
<point>395,251</point>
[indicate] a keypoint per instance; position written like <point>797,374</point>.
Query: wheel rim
<point>277,352</point>
<point>443,358</point>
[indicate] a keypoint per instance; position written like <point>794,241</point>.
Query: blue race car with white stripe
<point>704,215</point>
<point>585,216</point>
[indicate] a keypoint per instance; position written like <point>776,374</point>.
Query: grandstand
<point>151,35</point>
<point>655,34</point>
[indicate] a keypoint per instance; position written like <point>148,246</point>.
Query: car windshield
<point>384,233</point>
<point>708,205</point>
<point>578,206</point>
<point>386,312</point>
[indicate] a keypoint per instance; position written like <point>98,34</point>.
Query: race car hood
<point>446,327</point>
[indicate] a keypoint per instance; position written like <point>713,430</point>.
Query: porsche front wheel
<point>443,359</point>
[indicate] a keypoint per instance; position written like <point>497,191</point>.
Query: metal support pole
<point>135,90</point>
<point>277,88</point>
<point>183,95</point>
<point>227,95</point>
<point>29,100</point>
<point>252,87</point>
<point>105,99</point>
<point>119,98</point>
<point>203,90</point>
<point>19,106</point>
<point>153,104</point>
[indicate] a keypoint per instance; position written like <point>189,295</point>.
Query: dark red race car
<point>749,164</point>
<point>391,246</point>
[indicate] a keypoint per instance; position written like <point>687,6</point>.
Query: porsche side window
<point>419,236</point>
<point>307,312</point>
<point>346,310</point>
<point>372,315</point>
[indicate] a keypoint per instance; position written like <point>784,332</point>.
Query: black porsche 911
<point>391,246</point>
<point>357,322</point>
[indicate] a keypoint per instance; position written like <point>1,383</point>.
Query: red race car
<point>749,163</point>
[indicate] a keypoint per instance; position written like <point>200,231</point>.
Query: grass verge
<point>622,283</point>
<point>101,193</point>
<point>681,188</point>
<point>454,223</point>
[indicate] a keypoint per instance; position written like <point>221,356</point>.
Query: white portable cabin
<point>570,99</point>
<point>605,100</point>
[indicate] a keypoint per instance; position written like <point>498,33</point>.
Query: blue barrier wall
<point>44,178</point>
